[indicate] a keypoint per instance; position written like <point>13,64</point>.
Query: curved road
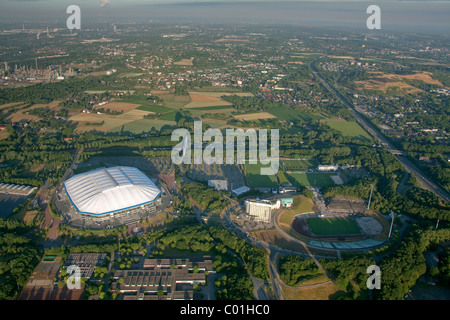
<point>410,167</point>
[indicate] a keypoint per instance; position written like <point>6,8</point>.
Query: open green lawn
<point>311,179</point>
<point>213,108</point>
<point>255,179</point>
<point>349,129</point>
<point>299,165</point>
<point>144,125</point>
<point>292,115</point>
<point>154,108</point>
<point>333,226</point>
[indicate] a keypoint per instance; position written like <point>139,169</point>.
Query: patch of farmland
<point>255,116</point>
<point>143,125</point>
<point>120,106</point>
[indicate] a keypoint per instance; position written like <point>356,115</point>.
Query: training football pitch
<point>333,226</point>
<point>321,179</point>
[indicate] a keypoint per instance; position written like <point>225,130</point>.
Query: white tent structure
<point>110,190</point>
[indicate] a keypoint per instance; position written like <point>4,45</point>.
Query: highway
<point>409,166</point>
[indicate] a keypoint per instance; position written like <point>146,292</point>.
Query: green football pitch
<point>333,226</point>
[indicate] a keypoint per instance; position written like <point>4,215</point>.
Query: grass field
<point>299,165</point>
<point>301,204</point>
<point>255,179</point>
<point>154,108</point>
<point>333,226</point>
<point>255,116</point>
<point>311,179</point>
<point>143,125</point>
<point>292,115</point>
<point>349,129</point>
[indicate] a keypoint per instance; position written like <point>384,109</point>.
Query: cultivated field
<point>120,106</point>
<point>184,62</point>
<point>255,116</point>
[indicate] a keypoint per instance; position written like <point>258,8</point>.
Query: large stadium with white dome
<point>108,197</point>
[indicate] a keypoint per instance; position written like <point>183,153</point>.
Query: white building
<point>261,210</point>
<point>327,168</point>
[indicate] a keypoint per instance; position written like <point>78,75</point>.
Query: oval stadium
<point>111,196</point>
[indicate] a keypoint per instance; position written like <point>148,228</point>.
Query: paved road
<point>410,167</point>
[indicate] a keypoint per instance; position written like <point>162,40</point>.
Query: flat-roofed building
<point>261,210</point>
<point>163,279</point>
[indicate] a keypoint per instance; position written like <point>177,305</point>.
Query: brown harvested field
<point>120,106</point>
<point>54,104</point>
<point>4,135</point>
<point>384,86</point>
<point>255,116</point>
<point>296,62</point>
<point>29,216</point>
<point>9,105</point>
<point>110,121</point>
<point>423,76</point>
<point>21,115</point>
<point>184,62</point>
<point>195,97</point>
<point>382,81</point>
<point>322,292</point>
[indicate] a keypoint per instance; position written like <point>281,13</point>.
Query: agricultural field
<point>211,99</point>
<point>256,180</point>
<point>143,125</point>
<point>311,179</point>
<point>290,115</point>
<point>333,226</point>
<point>255,116</point>
<point>299,164</point>
<point>120,106</point>
<point>349,129</point>
<point>385,81</point>
<point>184,62</point>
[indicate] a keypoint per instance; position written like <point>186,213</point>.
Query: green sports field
<point>349,129</point>
<point>299,165</point>
<point>256,180</point>
<point>333,226</point>
<point>311,179</point>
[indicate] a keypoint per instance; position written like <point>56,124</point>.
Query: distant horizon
<point>414,16</point>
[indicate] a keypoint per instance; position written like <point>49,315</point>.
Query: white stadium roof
<point>108,190</point>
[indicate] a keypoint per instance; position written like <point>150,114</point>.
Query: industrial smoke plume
<point>104,3</point>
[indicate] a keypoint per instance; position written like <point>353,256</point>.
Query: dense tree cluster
<point>294,269</point>
<point>18,257</point>
<point>206,198</point>
<point>402,269</point>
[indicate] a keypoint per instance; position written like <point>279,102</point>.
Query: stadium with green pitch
<point>333,226</point>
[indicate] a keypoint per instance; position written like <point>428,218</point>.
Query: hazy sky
<point>426,15</point>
